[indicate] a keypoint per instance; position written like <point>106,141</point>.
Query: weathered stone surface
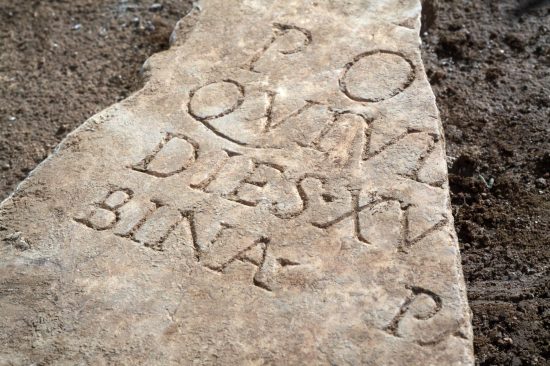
<point>276,194</point>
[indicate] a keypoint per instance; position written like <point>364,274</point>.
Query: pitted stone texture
<point>276,194</point>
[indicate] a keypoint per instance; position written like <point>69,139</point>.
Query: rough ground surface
<point>493,125</point>
<point>490,71</point>
<point>63,61</point>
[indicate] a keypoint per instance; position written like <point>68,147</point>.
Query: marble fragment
<point>275,194</point>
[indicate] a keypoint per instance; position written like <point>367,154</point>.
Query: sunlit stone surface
<point>276,194</point>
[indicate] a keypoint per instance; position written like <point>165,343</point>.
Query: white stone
<point>276,194</point>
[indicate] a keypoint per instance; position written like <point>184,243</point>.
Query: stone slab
<point>275,194</point>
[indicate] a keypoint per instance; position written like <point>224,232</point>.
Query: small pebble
<point>11,118</point>
<point>76,26</point>
<point>102,31</point>
<point>61,130</point>
<point>541,183</point>
<point>149,26</point>
<point>156,7</point>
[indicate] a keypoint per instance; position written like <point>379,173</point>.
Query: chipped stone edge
<point>147,72</point>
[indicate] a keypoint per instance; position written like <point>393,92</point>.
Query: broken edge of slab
<point>69,287</point>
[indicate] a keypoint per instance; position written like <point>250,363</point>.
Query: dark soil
<point>62,61</point>
<point>490,71</point>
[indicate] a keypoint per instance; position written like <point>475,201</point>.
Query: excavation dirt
<point>61,62</point>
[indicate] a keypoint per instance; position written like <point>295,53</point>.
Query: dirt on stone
<point>63,61</point>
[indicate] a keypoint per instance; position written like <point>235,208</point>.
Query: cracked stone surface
<point>276,194</point>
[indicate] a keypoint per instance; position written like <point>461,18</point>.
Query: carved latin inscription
<point>286,39</point>
<point>276,194</point>
<point>174,154</point>
<point>376,75</point>
<point>145,222</point>
<point>215,99</point>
